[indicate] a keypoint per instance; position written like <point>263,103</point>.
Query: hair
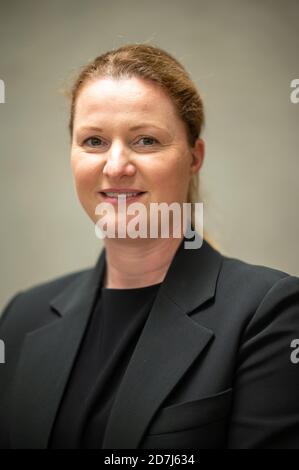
<point>151,63</point>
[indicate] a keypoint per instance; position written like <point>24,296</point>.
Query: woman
<point>157,346</point>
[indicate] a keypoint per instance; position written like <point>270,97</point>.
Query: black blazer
<point>211,369</point>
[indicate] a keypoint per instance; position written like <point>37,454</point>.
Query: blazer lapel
<point>168,345</point>
<point>46,360</point>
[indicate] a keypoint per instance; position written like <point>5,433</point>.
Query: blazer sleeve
<point>265,409</point>
<point>11,336</point>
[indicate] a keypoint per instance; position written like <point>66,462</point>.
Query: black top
<point>109,341</point>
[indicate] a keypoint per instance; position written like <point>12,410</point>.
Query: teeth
<point>121,194</point>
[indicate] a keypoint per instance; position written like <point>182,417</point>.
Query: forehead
<point>128,98</point>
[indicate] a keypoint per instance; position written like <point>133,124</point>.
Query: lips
<point>114,199</point>
<point>118,193</point>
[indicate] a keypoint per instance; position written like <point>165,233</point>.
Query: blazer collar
<point>190,280</point>
<point>168,345</point>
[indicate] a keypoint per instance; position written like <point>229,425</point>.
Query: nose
<point>118,161</point>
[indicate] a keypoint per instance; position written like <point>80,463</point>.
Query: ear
<point>198,153</point>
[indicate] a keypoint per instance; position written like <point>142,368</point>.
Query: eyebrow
<point>134,128</point>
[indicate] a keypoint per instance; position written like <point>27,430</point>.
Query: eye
<point>148,138</point>
<point>92,142</point>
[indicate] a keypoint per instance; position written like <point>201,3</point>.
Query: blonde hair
<point>151,63</point>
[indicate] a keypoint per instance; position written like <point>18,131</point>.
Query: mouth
<point>114,197</point>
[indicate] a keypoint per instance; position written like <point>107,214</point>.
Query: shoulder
<point>245,292</point>
<point>243,277</point>
<point>259,296</point>
<point>26,307</point>
<point>239,277</point>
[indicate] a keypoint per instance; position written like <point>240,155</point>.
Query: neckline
<point>130,289</point>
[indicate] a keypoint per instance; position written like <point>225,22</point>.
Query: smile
<point>114,197</point>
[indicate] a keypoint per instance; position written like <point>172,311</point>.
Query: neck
<point>138,263</point>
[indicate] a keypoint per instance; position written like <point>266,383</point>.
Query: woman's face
<point>109,151</point>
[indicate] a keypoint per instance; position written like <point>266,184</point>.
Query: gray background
<point>241,54</point>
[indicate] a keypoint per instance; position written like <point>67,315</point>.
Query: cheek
<point>85,172</point>
<point>173,175</point>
